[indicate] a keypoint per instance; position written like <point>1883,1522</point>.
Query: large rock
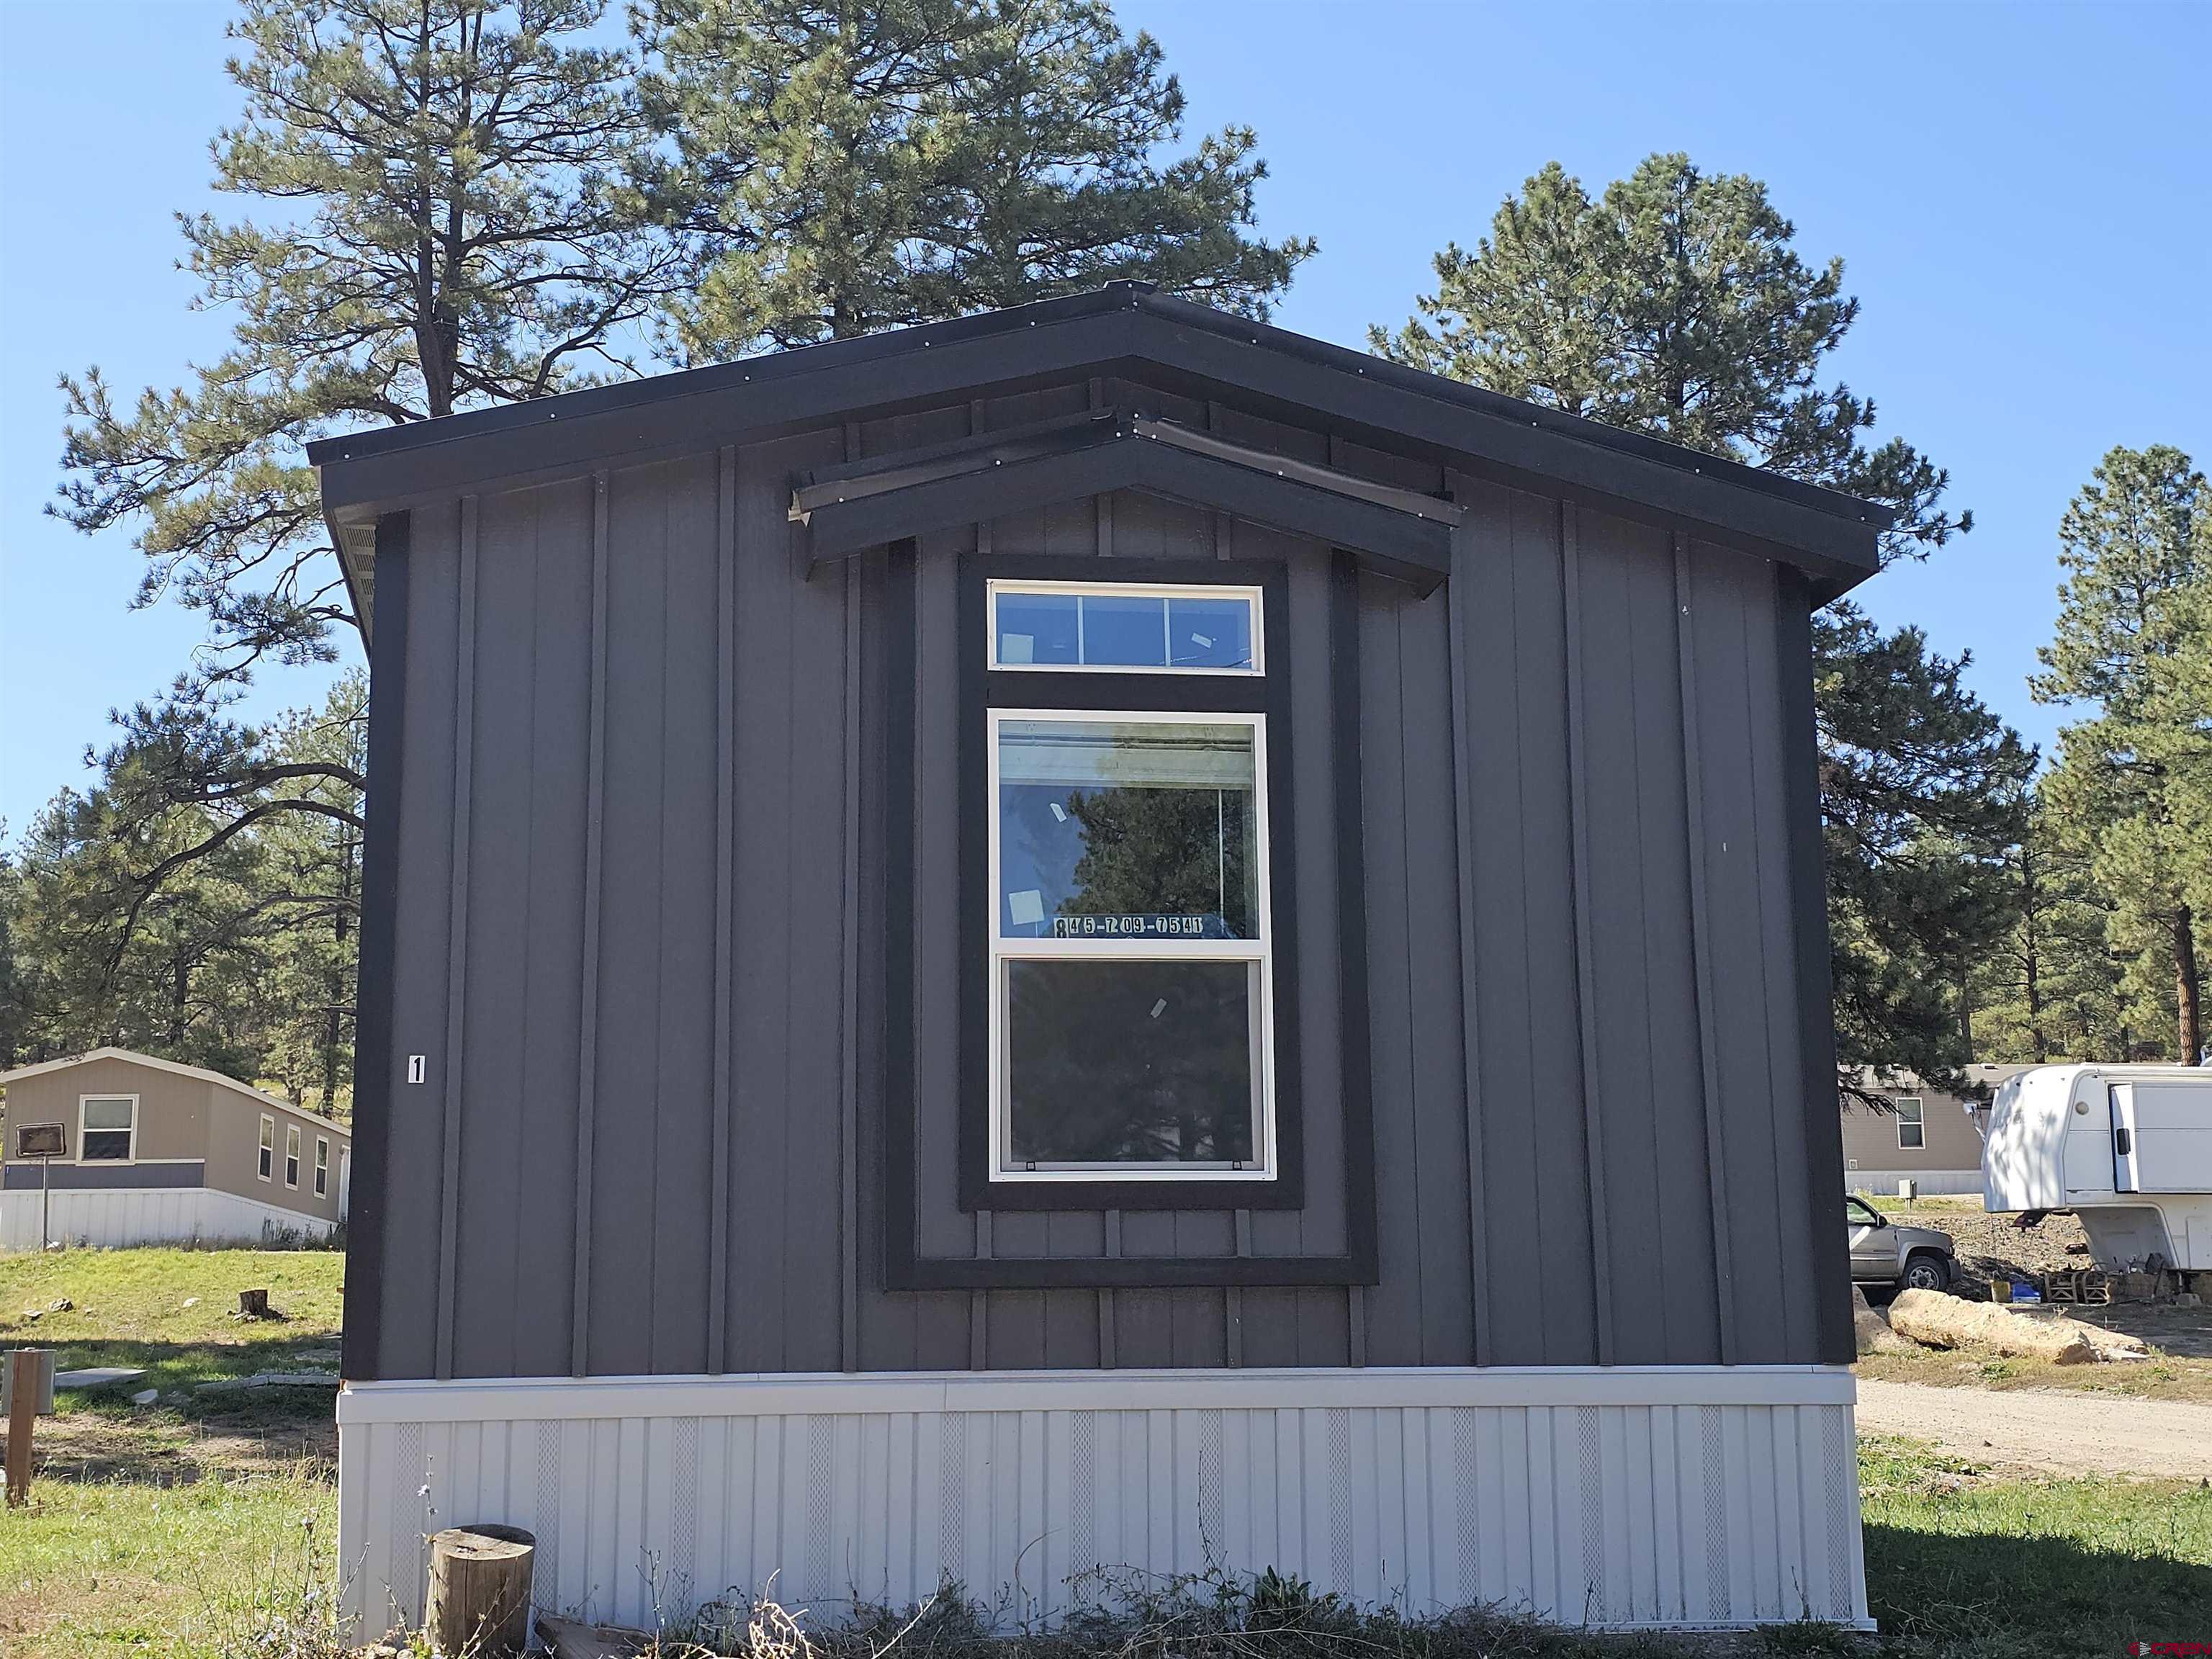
<point>1872,1330</point>
<point>1942,1321</point>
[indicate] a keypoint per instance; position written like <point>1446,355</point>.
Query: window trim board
<point>1197,697</point>
<point>906,1268</point>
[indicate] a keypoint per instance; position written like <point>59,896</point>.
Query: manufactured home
<point>147,1151</point>
<point>1096,938</point>
<point>2128,1149</point>
<point>1929,1137</point>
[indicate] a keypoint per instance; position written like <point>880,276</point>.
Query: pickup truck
<point>1882,1252</point>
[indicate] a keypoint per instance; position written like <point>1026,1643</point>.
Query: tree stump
<point>479,1600</point>
<point>253,1304</point>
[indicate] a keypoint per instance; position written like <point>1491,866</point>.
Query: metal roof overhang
<point>1124,332</point>
<point>845,509</point>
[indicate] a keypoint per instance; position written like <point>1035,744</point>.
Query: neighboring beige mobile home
<point>1931,1138</point>
<point>153,1152</point>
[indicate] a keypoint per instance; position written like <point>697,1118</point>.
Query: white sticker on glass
<point>1017,648</point>
<point>1025,908</point>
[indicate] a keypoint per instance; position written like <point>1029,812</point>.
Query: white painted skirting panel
<point>1628,1495</point>
<point>146,1215</point>
<point>1882,1183</point>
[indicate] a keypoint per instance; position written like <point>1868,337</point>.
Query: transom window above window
<point>1131,1018</point>
<point>1123,627</point>
<point>109,1129</point>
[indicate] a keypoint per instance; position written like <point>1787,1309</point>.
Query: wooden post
<point>253,1304</point>
<point>22,1415</point>
<point>479,1599</point>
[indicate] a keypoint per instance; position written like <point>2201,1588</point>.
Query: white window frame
<point>322,1166</point>
<point>1259,949</point>
<point>84,1100</point>
<point>266,1142</point>
<point>1918,1121</point>
<point>292,1144</point>
<point>1251,597</point>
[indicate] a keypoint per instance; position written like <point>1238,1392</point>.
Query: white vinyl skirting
<point>1882,1183</point>
<point>1668,1496</point>
<point>146,1215</point>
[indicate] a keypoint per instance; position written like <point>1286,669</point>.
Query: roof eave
<point>1125,330</point>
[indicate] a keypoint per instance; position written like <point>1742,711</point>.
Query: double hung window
<point>1912,1125</point>
<point>322,1166</point>
<point>265,1161</point>
<point>1131,991</point>
<point>291,1155</point>
<point>108,1128</point>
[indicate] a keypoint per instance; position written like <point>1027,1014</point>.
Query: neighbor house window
<point>266,1168</point>
<point>1911,1128</point>
<point>108,1128</point>
<point>291,1155</point>
<point>1131,1010</point>
<point>322,1167</point>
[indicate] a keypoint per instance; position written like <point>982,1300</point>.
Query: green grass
<point>1961,1567</point>
<point>106,1568</point>
<point>155,1531</point>
<point>129,1309</point>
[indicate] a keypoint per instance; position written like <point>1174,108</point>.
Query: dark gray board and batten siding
<point>640,919</point>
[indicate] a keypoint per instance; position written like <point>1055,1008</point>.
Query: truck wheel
<point>1926,1271</point>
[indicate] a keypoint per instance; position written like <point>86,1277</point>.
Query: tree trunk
<point>1965,1011</point>
<point>2032,959</point>
<point>1937,1321</point>
<point>2187,987</point>
<point>479,1600</point>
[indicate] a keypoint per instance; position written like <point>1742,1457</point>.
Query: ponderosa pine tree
<point>2132,789</point>
<point>2049,988</point>
<point>1677,305</point>
<point>849,166</point>
<point>447,216</point>
<point>455,225</point>
<point>217,927</point>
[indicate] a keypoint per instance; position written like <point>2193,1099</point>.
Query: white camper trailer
<point>2127,1148</point>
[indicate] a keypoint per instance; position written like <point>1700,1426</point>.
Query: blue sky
<point>2023,196</point>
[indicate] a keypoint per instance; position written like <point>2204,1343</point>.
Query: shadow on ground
<point>178,1370</point>
<point>1999,1595</point>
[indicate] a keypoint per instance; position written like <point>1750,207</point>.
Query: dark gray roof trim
<point>1123,329</point>
<point>1400,533</point>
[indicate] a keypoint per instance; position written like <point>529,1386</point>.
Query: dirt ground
<point>162,1450</point>
<point>2046,1431</point>
<point>1986,1244</point>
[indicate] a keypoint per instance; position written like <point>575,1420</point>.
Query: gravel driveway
<point>2044,1429</point>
